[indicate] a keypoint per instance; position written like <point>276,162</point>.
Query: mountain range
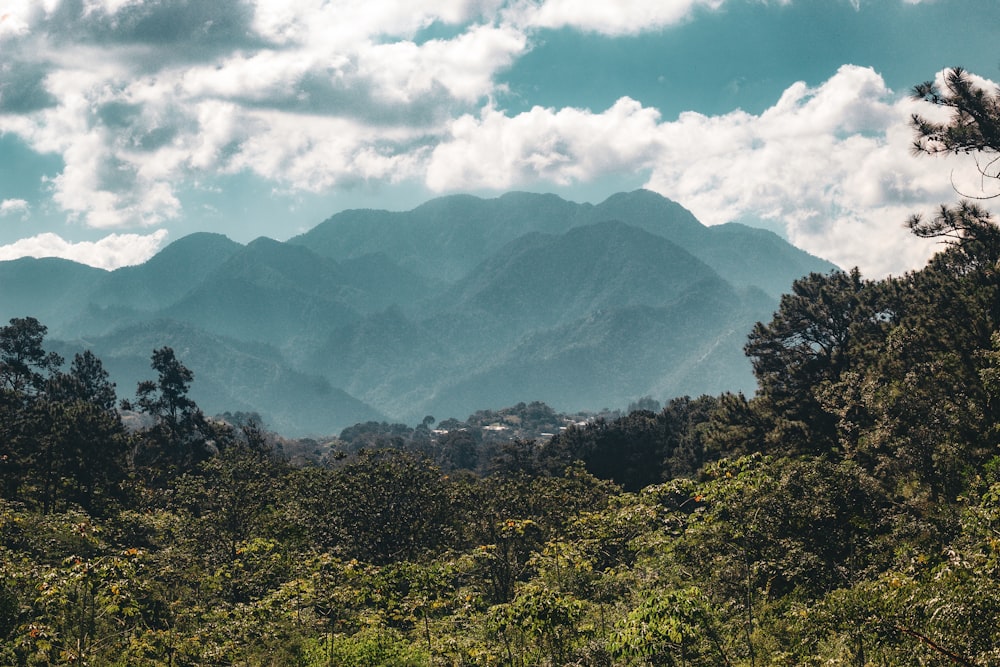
<point>460,304</point>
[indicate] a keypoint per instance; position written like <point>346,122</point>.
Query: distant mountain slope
<point>48,289</point>
<point>383,282</point>
<point>746,256</point>
<point>270,292</point>
<point>609,357</point>
<point>752,256</point>
<point>458,305</point>
<point>99,303</point>
<point>597,316</point>
<point>230,375</point>
<point>444,239</point>
<point>654,213</point>
<point>168,275</point>
<point>541,281</point>
<point>587,268</point>
<point>389,360</point>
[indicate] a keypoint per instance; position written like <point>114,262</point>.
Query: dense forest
<point>848,513</point>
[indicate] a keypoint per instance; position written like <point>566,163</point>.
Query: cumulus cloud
<point>15,17</point>
<point>139,97</point>
<point>497,151</point>
<point>13,207</point>
<point>623,17</point>
<point>111,252</point>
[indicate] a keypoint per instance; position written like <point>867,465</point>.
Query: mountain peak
<point>195,254</point>
<point>264,242</point>
<point>652,211</point>
<point>202,244</point>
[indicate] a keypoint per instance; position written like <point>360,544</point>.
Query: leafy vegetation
<point>846,514</point>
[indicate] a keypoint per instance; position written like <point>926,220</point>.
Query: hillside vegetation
<point>847,513</point>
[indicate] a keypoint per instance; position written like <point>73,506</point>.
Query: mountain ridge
<point>467,229</point>
<point>459,301</point>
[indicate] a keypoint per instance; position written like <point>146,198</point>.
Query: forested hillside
<point>847,513</point>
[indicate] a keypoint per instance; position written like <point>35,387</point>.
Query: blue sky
<point>126,124</point>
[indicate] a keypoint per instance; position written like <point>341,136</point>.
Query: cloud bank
<point>14,207</point>
<point>140,99</point>
<point>111,252</point>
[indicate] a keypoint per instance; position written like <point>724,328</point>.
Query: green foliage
<point>813,339</point>
<point>23,361</point>
<point>669,628</point>
<point>641,448</point>
<point>537,624</point>
<point>972,127</point>
<point>974,123</point>
<point>371,647</point>
<point>179,438</point>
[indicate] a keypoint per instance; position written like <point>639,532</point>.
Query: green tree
<point>813,338</point>
<point>382,506</point>
<point>974,125</point>
<point>178,439</point>
<point>80,456</point>
<point>87,380</point>
<point>761,532</point>
<point>226,504</point>
<point>25,367</point>
<point>640,448</point>
<point>83,441</point>
<point>537,625</point>
<point>647,403</point>
<point>24,363</point>
<point>458,451</point>
<point>167,397</point>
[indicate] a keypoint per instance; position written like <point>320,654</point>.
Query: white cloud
<point>14,207</point>
<point>18,16</point>
<point>464,66</point>
<point>12,24</point>
<point>341,94</point>
<point>107,6</point>
<point>622,17</point>
<point>111,252</point>
<point>564,146</point>
<point>317,153</point>
<point>351,22</point>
